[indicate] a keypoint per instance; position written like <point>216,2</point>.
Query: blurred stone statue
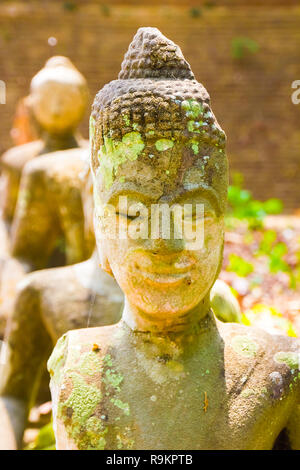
<point>168,375</point>
<point>41,187</point>
<point>57,101</point>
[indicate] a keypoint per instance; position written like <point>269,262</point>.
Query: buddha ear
<point>106,267</point>
<point>103,259</point>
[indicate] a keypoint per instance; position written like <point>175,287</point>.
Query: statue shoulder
<point>80,352</point>
<point>272,359</point>
<point>59,170</point>
<point>16,157</point>
<point>266,342</point>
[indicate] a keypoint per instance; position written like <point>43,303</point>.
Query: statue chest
<point>197,417</point>
<point>199,412</point>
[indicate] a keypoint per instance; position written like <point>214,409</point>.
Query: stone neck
<point>55,142</point>
<point>139,321</point>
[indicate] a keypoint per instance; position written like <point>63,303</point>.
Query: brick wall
<point>251,96</point>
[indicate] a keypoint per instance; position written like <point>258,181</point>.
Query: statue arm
<point>34,231</point>
<point>10,181</point>
<point>71,217</point>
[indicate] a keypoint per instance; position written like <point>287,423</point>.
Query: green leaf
<point>273,206</point>
<point>239,266</point>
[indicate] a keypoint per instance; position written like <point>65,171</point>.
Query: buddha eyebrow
<point>207,193</point>
<point>125,192</point>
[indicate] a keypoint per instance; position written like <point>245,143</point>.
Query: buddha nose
<point>164,237</point>
<point>165,246</point>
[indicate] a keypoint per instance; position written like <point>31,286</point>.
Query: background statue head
<point>58,96</point>
<point>155,140</point>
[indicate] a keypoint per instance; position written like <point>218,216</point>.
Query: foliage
<point>268,317</point>
<point>45,439</point>
<point>242,205</point>
<point>275,252</point>
<point>70,6</point>
<point>105,9</point>
<point>239,266</point>
<point>243,46</point>
<point>195,12</point>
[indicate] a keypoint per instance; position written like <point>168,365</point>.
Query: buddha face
<point>162,273</point>
<point>58,98</point>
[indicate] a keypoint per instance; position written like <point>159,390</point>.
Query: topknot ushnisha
<point>152,55</point>
<point>156,90</point>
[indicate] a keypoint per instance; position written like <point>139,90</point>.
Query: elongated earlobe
<point>103,260</point>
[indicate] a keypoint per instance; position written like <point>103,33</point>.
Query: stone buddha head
<point>156,143</point>
<point>58,96</point>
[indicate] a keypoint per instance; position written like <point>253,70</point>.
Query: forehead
<point>165,170</point>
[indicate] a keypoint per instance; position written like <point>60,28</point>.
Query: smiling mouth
<point>164,279</point>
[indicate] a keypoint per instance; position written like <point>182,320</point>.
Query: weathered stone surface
<point>219,384</point>
<point>168,365</point>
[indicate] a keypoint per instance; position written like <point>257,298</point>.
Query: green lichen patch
<point>291,359</point>
<point>114,153</point>
<point>113,379</point>
<point>124,442</point>
<point>244,346</point>
<point>163,144</point>
<point>121,405</point>
<point>192,108</point>
<point>57,359</point>
<point>248,392</point>
<point>108,360</point>
<point>82,401</point>
<point>126,120</point>
<point>194,146</point>
<point>77,412</point>
<point>90,363</point>
<point>193,126</point>
<point>94,436</point>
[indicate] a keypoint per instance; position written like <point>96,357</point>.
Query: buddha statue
<point>49,303</point>
<point>41,185</point>
<point>57,102</point>
<point>168,375</point>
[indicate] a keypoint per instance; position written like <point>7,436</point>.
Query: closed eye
<point>127,216</point>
